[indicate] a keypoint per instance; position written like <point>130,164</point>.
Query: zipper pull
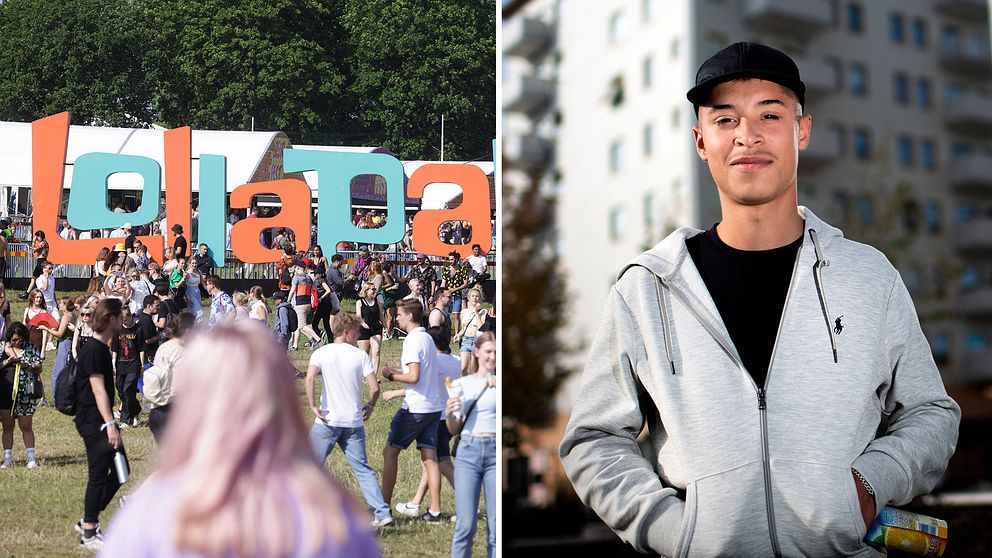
<point>762,405</point>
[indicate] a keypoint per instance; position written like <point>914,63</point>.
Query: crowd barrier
<point>21,263</point>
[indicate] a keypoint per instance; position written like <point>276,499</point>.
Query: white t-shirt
<point>481,419</point>
<point>478,263</point>
<point>423,396</point>
<point>450,367</point>
<point>344,368</point>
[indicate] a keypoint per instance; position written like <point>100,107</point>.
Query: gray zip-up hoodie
<point>744,470</point>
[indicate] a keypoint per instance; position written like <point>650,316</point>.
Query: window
<point>646,67</point>
<point>676,118</point>
<point>960,150</point>
<point>964,212</point>
<point>837,67</point>
<point>904,146</point>
<point>941,347</point>
<point>901,87</point>
<point>858,79</point>
<point>971,279</point>
<point>616,155</point>
<point>648,137</point>
<point>950,40</point>
<point>840,138</point>
<point>923,93</point>
<point>843,201</point>
<point>953,91</point>
<point>855,17</point>
<point>919,32</point>
<point>650,217</point>
<point>862,143</point>
<point>618,223</point>
<point>617,27</point>
<point>976,342</point>
<point>912,278</point>
<point>616,91</point>
<point>647,10</point>
<point>934,221</point>
<point>911,217</point>
<point>897,32</point>
<point>928,154</point>
<point>866,210</point>
<point>674,48</point>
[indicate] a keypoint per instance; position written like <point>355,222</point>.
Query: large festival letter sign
<point>87,208</point>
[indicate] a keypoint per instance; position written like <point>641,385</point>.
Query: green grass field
<point>38,507</point>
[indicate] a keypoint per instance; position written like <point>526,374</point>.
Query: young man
<point>479,265</point>
<point>95,419</point>
<point>454,278</point>
<point>180,246</point>
<point>128,355</point>
<point>147,328</point>
<point>221,305</point>
<point>439,316</point>
<point>281,323</point>
<point>334,276</point>
<point>424,272</point>
<point>787,401</point>
<point>417,418</point>
<point>340,417</point>
<point>450,368</point>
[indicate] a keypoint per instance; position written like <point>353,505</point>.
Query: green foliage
<point>82,56</point>
<point>324,71</point>
<point>415,60</point>
<point>535,298</point>
<point>217,63</point>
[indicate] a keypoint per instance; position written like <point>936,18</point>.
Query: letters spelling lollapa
<point>88,208</point>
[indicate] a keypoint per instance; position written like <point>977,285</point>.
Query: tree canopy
<point>324,71</point>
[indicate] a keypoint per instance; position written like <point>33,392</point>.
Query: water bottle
<point>120,465</point>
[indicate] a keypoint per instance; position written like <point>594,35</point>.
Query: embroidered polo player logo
<point>838,327</point>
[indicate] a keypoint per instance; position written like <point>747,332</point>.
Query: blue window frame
<point>855,17</point>
<point>919,32</point>
<point>904,145</point>
<point>928,154</point>
<point>862,143</point>
<point>900,84</point>
<point>858,79</point>
<point>934,223</point>
<point>897,30</point>
<point>924,96</point>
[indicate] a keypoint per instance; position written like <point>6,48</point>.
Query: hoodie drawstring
<point>820,264</point>
<point>665,326</point>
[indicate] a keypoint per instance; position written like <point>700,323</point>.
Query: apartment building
<point>901,154</point>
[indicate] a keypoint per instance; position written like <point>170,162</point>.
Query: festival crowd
<point>141,327</point>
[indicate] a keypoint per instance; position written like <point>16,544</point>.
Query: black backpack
<point>292,323</point>
<point>66,390</point>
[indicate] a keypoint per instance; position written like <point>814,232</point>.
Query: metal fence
<point>21,264</point>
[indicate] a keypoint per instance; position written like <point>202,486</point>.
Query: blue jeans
<point>475,469</point>
<point>323,438</point>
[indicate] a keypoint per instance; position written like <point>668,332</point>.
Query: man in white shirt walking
<point>418,417</point>
<point>340,418</point>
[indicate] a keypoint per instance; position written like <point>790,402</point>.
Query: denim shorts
<point>443,441</point>
<point>456,303</point>
<point>468,344</point>
<point>407,427</point>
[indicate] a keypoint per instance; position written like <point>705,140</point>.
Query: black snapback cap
<point>742,61</point>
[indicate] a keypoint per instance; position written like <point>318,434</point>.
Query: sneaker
<point>50,346</point>
<point>33,464</point>
<point>379,523</point>
<point>123,426</point>
<point>454,519</point>
<point>81,531</point>
<point>134,421</point>
<point>408,509</point>
<point>23,296</point>
<point>428,517</point>
<point>94,543</point>
<point>6,465</point>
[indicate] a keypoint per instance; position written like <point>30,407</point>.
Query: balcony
<point>971,174</point>
<point>974,237</point>
<point>975,304</point>
<point>798,15</point>
<point>968,113</point>
<point>528,152</point>
<point>974,62</point>
<point>527,38</point>
<point>971,9</point>
<point>529,95</point>
<point>822,150</point>
<point>976,367</point>
<point>818,76</point>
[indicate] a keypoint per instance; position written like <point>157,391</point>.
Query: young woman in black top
<point>95,419</point>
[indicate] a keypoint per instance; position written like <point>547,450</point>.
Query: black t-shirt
<point>179,247</point>
<point>147,330</point>
<point>93,358</point>
<point>128,344</point>
<point>129,242</point>
<point>749,288</point>
<point>203,263</point>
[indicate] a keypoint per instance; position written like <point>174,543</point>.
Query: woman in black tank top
<point>370,310</point>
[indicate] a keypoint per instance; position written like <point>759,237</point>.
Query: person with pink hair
<point>238,476</point>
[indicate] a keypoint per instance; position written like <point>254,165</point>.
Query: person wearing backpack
<point>286,322</point>
<point>284,265</point>
<point>95,419</point>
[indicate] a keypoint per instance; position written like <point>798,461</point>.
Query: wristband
<point>864,482</point>
<point>108,424</point>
